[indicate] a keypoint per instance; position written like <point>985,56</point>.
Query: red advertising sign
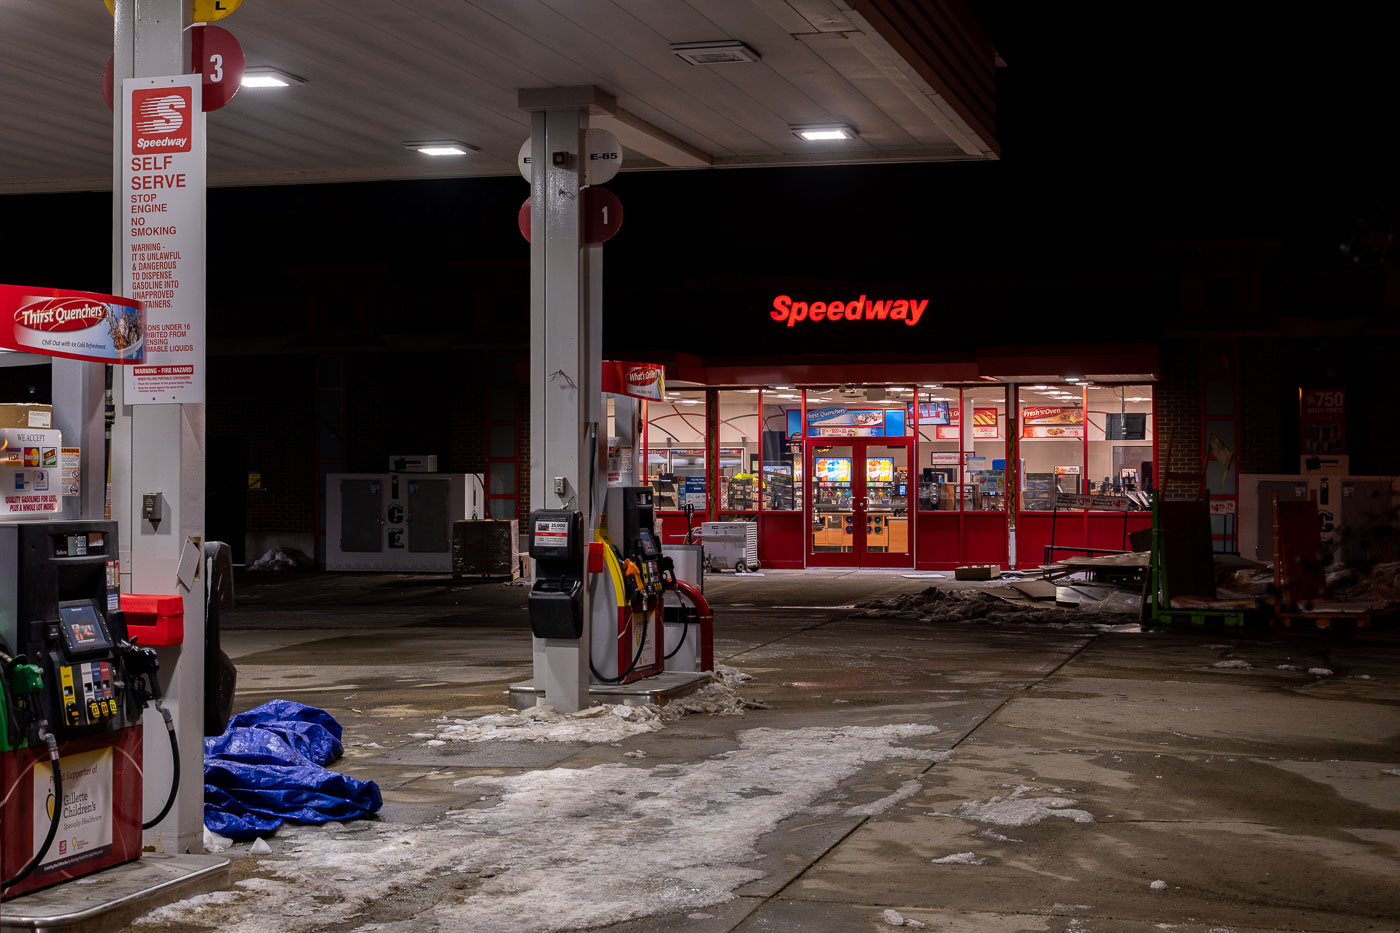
<point>1322,417</point>
<point>76,325</point>
<point>985,424</point>
<point>1052,422</point>
<point>952,430</point>
<point>639,380</point>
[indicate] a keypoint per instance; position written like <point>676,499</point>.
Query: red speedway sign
<point>908,310</point>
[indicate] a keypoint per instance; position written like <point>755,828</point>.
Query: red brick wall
<point>1178,400</point>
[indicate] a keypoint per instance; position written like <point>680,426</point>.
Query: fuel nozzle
<point>141,665</point>
<point>23,678</point>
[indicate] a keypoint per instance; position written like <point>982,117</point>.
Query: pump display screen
<point>82,626</point>
<point>649,549</point>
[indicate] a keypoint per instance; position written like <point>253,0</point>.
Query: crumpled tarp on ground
<point>269,767</point>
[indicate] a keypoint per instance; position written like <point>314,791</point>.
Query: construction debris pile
<point>1022,601</point>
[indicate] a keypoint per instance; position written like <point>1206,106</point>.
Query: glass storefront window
<point>781,435</point>
<point>860,411</point>
<point>1119,422</point>
<point>984,426</point>
<point>675,464</point>
<point>738,449</point>
<point>940,470</point>
<point>1051,425</point>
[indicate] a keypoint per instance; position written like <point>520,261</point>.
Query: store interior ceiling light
<point>263,76</point>
<point>721,52</point>
<point>824,132</point>
<point>441,147</point>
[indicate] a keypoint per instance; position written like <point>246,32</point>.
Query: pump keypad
<point>88,695</point>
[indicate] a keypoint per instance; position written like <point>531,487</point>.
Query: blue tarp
<point>269,766</point>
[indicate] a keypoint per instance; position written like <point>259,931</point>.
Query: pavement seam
<point>1091,639</point>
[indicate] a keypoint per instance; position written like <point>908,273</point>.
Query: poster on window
<point>951,430</point>
<point>1052,422</point>
<point>1323,419</point>
<point>986,424</point>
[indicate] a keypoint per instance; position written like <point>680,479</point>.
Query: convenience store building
<point>898,463</point>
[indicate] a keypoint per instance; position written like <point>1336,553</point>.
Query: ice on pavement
<point>558,849</point>
<point>1020,810</point>
<point>606,723</point>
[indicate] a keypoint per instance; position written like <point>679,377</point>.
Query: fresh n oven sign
<point>787,310</point>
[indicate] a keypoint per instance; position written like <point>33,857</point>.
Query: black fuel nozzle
<point>141,666</point>
<point>668,571</point>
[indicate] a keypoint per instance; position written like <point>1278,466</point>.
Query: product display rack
<point>742,494</point>
<point>1039,492</point>
<point>779,488</point>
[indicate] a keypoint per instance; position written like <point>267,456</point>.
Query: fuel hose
<point>175,769</point>
<point>33,863</point>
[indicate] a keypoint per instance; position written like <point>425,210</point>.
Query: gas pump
<point>74,690</point>
<point>627,637</point>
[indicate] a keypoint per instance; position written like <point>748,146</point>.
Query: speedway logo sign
<point>790,312</point>
<point>77,325</point>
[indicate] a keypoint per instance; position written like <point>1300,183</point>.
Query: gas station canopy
<point>684,84</point>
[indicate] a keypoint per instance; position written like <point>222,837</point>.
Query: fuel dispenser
<point>626,596</point>
<point>74,688</point>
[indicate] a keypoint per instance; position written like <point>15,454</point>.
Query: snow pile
<point>606,723</point>
<point>609,723</point>
<point>896,919</point>
<point>283,558</point>
<point>559,849</point>
<point>1020,810</point>
<point>1235,665</point>
<point>960,858</point>
<point>1158,885</point>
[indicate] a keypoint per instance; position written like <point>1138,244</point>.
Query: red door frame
<point>858,556</point>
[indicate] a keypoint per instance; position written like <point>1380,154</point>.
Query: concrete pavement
<point>1086,765</point>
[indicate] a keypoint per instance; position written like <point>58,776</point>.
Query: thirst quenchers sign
<point>77,325</point>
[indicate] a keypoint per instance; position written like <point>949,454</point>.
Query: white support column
<point>566,429</point>
<point>160,449</point>
<point>79,407</point>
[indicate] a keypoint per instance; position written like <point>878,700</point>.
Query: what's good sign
<point>860,309</point>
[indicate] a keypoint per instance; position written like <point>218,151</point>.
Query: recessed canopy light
<point>441,147</point>
<point>263,76</point>
<point>723,52</point>
<point>822,132</point>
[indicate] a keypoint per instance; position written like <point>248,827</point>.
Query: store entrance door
<point>858,503</point>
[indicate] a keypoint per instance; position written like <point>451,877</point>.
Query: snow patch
<point>994,836</point>
<point>1320,671</point>
<point>603,723</point>
<point>260,847</point>
<point>896,919</point>
<point>1394,771</point>
<point>1158,885</point>
<point>213,842</point>
<point>1019,810</point>
<point>960,858</point>
<point>1236,664</point>
<point>1290,667</point>
<point>533,849</point>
